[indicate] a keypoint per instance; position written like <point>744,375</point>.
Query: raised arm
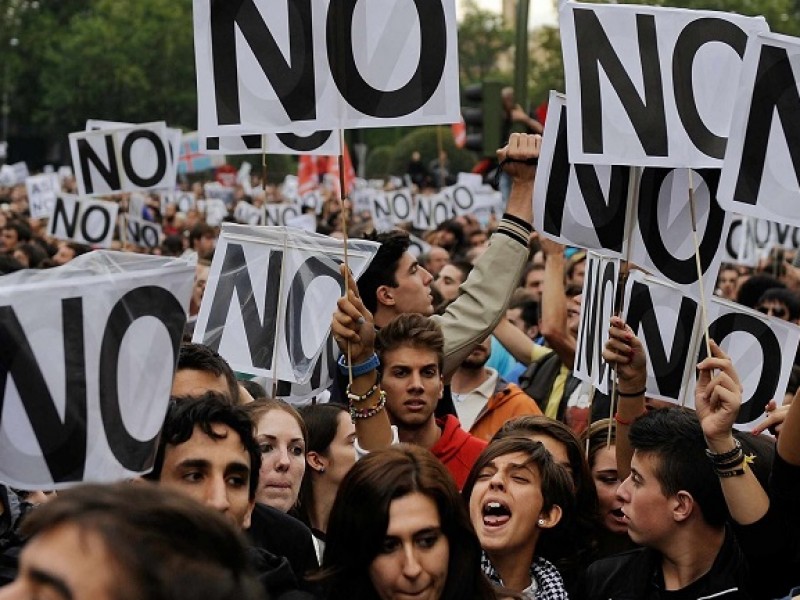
<point>554,303</point>
<point>624,352</point>
<point>718,396</point>
<point>352,323</point>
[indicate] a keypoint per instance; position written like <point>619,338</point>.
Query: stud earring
<point>321,470</point>
<point>541,522</point>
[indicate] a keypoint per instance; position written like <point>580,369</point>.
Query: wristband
<point>718,459</point>
<point>366,413</point>
<point>734,473</point>
<point>631,394</point>
<point>622,421</point>
<point>363,368</point>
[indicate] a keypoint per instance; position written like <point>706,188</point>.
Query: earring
<point>321,470</point>
<point>541,522</point>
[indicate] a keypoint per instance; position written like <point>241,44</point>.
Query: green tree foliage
<point>482,38</point>
<point>546,70</point>
<point>120,60</point>
<point>426,140</point>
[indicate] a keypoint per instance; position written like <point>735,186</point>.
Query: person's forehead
<point>405,263</point>
<point>224,451</point>
<point>450,271</point>
<point>194,382</point>
<point>408,355</point>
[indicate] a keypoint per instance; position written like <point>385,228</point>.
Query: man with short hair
<point>207,450</point>
<point>780,303</point>
<point>483,400</point>
<point>203,240</point>
<point>395,283</point>
<point>450,278</point>
<point>122,541</point>
<point>201,369</point>
<point>433,260</point>
<point>533,279</point>
<point>12,234</point>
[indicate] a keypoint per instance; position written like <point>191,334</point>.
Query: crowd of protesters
<point>458,456</point>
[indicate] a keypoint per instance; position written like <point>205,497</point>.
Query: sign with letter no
<point>87,355</point>
<point>270,296</point>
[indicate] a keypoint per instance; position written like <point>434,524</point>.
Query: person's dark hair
<point>464,266</point>
<point>322,423</point>
<point>555,485</point>
<point>33,252</point>
<point>785,296</point>
<point>409,329</point>
<point>23,231</point>
<point>198,231</point>
<point>454,227</point>
<point>530,267</point>
<point>200,357</point>
<point>255,389</point>
<point>78,249</point>
<point>164,546</point>
<point>9,264</point>
<point>360,517</point>
<point>674,437</point>
<point>529,310</point>
<point>574,261</point>
<point>754,287</point>
<point>383,268</point>
<point>172,245</point>
<point>210,409</point>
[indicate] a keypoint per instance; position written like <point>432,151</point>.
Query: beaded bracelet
<point>356,398</point>
<point>366,413</point>
<point>725,456</point>
<point>734,462</point>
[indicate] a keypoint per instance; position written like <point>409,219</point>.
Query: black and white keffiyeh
<point>547,582</point>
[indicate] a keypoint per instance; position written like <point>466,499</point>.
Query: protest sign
<point>418,246</point>
<point>248,214</point>
<point>391,208</point>
<point>271,67</point>
<point>87,357</point>
<point>42,193</point>
<point>11,175</point>
<point>761,174</point>
<point>431,211</point>
<point>597,308</point>
<point>184,201</point>
<point>645,82</point>
<point>214,211</point>
<point>316,143</point>
<point>579,205</point>
<point>123,159</point>
<point>281,214</point>
<point>142,233</point>
<point>83,220</point>
<point>267,292</point>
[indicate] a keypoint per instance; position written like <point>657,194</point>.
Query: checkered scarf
<point>548,584</point>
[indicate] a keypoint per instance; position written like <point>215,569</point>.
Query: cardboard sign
<point>268,297</point>
<point>214,211</point>
<point>388,209</point>
<point>761,175</point>
<point>124,159</point>
<point>761,348</point>
<point>281,214</point>
<point>185,201</point>
<point>264,66</point>
<point>645,83</point>
<point>87,358</point>
<point>431,211</point>
<point>248,214</point>
<point>316,143</point>
<point>11,175</point>
<point>83,220</point>
<point>142,233</point>
<point>586,206</point>
<point>42,193</point>
<point>597,308</point>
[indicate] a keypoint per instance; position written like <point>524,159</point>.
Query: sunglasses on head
<point>775,311</point>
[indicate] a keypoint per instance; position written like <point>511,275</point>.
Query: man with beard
<point>484,400</point>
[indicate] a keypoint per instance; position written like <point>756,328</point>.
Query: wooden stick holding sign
<point>342,196</point>
<point>703,306</point>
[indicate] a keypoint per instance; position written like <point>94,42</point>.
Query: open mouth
<point>617,512</point>
<point>495,514</point>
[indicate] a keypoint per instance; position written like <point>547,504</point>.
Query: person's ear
<point>316,461</point>
<point>682,506</point>
<point>550,518</point>
<point>384,295</point>
<point>249,516</point>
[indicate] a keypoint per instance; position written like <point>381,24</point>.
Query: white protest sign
<point>579,205</point>
<point>325,143</point>
<point>83,220</point>
<point>184,201</point>
<point>306,222</point>
<point>662,241</point>
<point>761,174</point>
<point>269,297</point>
<point>431,211</point>
<point>645,83</point>
<point>470,180</point>
<point>665,321</point>
<point>742,242</point>
<point>762,350</point>
<point>391,208</point>
<point>418,246</point>
<point>87,361</point>
<point>316,388</point>
<point>142,233</point>
<point>11,175</point>
<point>216,191</point>
<point>42,193</point>
<point>281,214</point>
<point>597,308</point>
<point>342,65</point>
<point>248,214</point>
<point>122,159</point>
<point>174,135</point>
<point>214,211</point>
